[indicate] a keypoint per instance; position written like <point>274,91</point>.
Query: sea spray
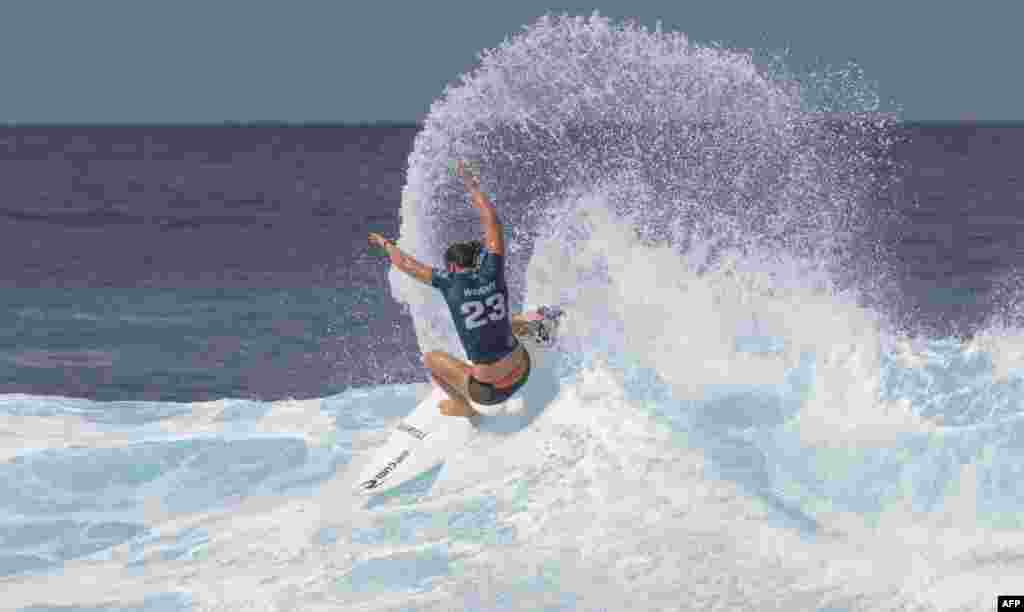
<point>695,148</point>
<point>712,226</point>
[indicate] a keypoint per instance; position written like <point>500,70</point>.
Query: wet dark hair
<point>464,254</point>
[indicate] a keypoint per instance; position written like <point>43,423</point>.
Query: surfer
<point>473,285</point>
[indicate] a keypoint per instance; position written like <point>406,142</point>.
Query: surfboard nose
<point>419,442</point>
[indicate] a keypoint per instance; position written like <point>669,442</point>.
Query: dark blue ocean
<point>191,263</point>
<point>188,263</point>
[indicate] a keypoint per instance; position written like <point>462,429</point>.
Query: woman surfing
<point>473,285</point>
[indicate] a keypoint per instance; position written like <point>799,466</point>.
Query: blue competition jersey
<point>478,301</point>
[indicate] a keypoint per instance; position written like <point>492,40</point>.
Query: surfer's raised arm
<point>494,238</point>
<point>402,260</point>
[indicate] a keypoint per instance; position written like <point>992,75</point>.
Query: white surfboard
<point>420,442</point>
<point>426,438</point>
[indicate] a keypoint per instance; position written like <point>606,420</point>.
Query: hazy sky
<point>172,61</point>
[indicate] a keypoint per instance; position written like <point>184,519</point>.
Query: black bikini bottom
<point>487,394</point>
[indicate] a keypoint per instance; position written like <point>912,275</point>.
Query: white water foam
<point>616,496</point>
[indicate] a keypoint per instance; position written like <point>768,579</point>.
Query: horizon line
<point>274,123</point>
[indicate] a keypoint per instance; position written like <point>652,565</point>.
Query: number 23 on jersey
<point>478,312</point>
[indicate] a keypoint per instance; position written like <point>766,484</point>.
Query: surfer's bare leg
<point>452,375</point>
<point>540,325</point>
<point>520,324</point>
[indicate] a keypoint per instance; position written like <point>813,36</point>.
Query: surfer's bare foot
<point>451,407</point>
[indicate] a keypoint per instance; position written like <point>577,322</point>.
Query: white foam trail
<point>596,504</point>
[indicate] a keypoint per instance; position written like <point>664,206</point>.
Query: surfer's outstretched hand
<point>378,241</point>
<point>470,179</point>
